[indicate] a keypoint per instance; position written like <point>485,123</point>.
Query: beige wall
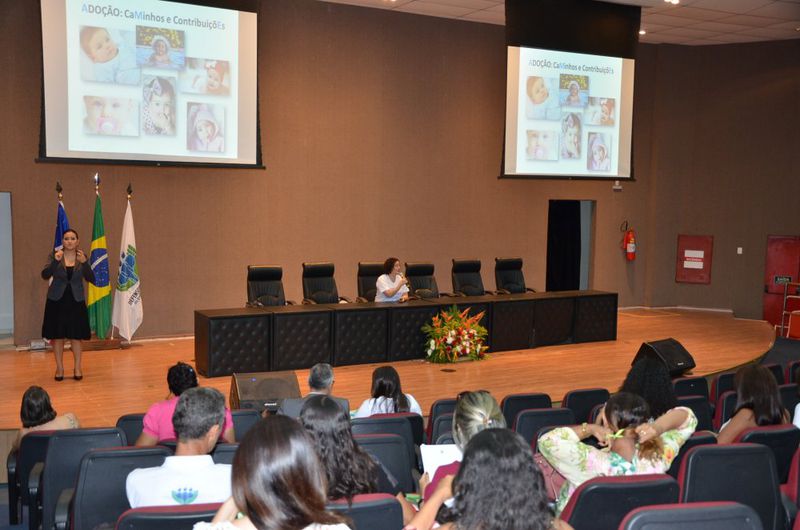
<point>382,135</point>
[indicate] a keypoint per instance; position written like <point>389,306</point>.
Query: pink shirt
<point>158,420</point>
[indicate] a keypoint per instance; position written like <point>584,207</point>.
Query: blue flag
<point>62,225</point>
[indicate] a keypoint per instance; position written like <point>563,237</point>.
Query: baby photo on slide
<point>573,90</point>
<point>599,111</point>
<point>599,152</point>
<point>205,128</point>
<point>542,145</point>
<point>158,105</point>
<point>160,48</point>
<point>107,116</point>
<point>541,102</point>
<point>205,76</point>
<point>571,136</point>
<point>108,56</point>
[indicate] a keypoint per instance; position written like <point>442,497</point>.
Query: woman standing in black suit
<point>65,313</point>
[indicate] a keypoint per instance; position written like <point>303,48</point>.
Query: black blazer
<point>57,271</point>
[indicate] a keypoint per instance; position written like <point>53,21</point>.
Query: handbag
<point>553,480</point>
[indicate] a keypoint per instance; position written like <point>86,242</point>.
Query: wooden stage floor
<point>117,382</point>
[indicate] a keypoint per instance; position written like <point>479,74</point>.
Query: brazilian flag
<point>99,299</point>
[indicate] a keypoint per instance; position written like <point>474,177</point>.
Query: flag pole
<point>59,189</point>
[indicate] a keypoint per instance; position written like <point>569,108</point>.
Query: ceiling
<point>692,22</point>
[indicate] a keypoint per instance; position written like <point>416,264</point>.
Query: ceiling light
<point>642,32</point>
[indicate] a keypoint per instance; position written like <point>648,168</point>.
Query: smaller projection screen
<point>149,81</point>
<point>568,114</point>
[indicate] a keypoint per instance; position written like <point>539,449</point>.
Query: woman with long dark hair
<point>277,482</point>
<point>649,378</point>
<point>349,469</point>
<point>758,403</point>
<point>387,395</point>
<point>636,445</point>
<point>65,313</point>
<point>38,414</point>
<point>498,487</point>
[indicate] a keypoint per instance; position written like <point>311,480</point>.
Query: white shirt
<point>385,283</point>
<point>180,480</point>
<point>383,405</point>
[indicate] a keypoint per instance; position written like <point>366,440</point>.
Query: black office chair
<point>467,279</point>
<point>319,287</point>
<point>265,286</point>
<point>421,280</point>
<point>367,277</point>
<point>508,276</point>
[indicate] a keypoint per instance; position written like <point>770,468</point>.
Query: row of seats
<point>721,383</point>
<point>265,283</point>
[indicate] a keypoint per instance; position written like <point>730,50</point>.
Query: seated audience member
<point>635,445</point>
<point>498,487</point>
<point>349,469</point>
<point>158,420</point>
<point>37,414</point>
<point>191,476</point>
<point>758,403</point>
<point>649,378</point>
<point>277,482</point>
<point>391,286</point>
<point>320,382</point>
<point>387,395</point>
<point>474,412</point>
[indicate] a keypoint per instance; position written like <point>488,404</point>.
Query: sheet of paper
<point>434,456</point>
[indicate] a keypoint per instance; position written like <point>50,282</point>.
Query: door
<point>782,265</point>
<point>569,245</point>
<point>6,272</point>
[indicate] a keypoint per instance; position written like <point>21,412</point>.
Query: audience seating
<point>60,468</point>
<point>438,407</point>
<point>724,409</point>
<point>789,397</point>
<point>132,426</point>
<point>32,450</point>
<point>508,276</point>
<point>443,425</point>
<point>243,420</point>
<point>720,384</point>
<point>167,517</point>
<point>223,453</point>
<point>371,511</point>
<point>742,473</point>
<point>422,281</point>
<point>446,439</point>
<point>581,402</point>
<point>416,421</point>
<point>319,286</point>
<point>702,410</point>
<point>529,422</point>
<point>388,425</point>
<point>697,438</point>
<point>783,440</point>
<point>792,370</point>
<point>366,280</point>
<point>391,451</point>
<point>778,371</point>
<point>513,404</point>
<point>791,489</point>
<point>603,502</point>
<point>100,497</point>
<point>693,516</point>
<point>467,279</point>
<point>265,286</point>
<point>691,386</point>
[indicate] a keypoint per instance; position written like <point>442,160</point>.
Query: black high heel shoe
<point>59,377</point>
<point>77,377</point>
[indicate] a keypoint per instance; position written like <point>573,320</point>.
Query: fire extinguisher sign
<point>693,264</point>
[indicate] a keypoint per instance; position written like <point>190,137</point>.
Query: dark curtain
<point>564,246</point>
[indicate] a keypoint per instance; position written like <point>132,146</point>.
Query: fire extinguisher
<point>628,241</point>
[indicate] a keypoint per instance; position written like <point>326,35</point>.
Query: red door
<point>783,265</point>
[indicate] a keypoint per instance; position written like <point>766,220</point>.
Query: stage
<point>117,382</point>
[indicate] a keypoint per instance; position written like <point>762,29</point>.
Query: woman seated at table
<point>391,286</point>
<point>37,414</point>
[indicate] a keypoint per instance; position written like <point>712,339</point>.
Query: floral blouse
<point>579,462</point>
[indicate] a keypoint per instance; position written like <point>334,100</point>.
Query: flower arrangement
<point>453,334</point>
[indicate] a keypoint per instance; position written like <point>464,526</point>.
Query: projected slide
<point>149,80</point>
<point>568,114</point>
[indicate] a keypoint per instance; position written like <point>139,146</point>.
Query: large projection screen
<point>149,81</point>
<point>568,115</point>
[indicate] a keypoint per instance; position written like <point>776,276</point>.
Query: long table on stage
<point>298,336</point>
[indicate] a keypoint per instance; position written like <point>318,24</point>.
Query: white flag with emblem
<point>128,313</point>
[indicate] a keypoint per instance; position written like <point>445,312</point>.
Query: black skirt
<point>66,318</point>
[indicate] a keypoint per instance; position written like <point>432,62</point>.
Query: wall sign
<point>694,259</point>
